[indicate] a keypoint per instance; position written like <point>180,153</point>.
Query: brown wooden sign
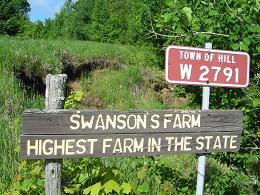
<point>73,134</point>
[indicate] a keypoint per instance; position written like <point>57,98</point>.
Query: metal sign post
<point>206,67</point>
<point>202,158</point>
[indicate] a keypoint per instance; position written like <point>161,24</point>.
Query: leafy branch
<point>156,34</point>
<point>233,12</point>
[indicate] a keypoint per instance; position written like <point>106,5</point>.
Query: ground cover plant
<point>97,70</point>
<point>24,65</point>
<point>141,87</point>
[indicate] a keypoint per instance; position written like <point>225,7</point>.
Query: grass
<point>129,87</point>
<point>122,90</point>
<point>40,57</point>
<point>44,56</point>
<point>12,101</point>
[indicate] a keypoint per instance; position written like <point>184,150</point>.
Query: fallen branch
<point>184,35</point>
<point>211,33</point>
<point>163,35</point>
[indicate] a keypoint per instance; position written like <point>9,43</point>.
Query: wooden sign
<point>73,134</point>
<point>206,67</point>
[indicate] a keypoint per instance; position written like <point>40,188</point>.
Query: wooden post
<point>54,99</point>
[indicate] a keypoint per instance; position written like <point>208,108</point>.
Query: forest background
<point>134,33</point>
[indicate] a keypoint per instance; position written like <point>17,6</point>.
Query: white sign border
<point>203,83</point>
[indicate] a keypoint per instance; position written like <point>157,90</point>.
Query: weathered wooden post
<point>54,99</point>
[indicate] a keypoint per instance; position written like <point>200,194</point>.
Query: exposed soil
<point>36,83</point>
<point>164,90</point>
<point>167,97</point>
<point>74,69</point>
<point>92,102</point>
<point>32,82</point>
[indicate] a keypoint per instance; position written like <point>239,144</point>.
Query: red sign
<point>206,67</point>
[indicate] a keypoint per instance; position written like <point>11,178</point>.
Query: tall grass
<point>123,90</point>
<point>44,56</point>
<point>41,57</point>
<point>12,101</point>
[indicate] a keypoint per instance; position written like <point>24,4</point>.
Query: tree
<point>229,25</point>
<point>13,14</point>
<point>82,19</point>
<point>113,21</point>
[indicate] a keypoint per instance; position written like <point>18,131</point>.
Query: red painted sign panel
<point>206,67</point>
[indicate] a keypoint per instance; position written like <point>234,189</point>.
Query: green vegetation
<point>97,70</point>
<point>128,84</point>
<point>13,16</point>
<point>140,87</point>
<point>39,57</point>
<point>42,57</point>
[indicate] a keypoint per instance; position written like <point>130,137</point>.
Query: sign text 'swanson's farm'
<point>71,134</point>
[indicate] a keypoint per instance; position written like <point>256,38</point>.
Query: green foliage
<point>228,24</point>
<point>29,180</point>
<point>226,180</point>
<point>193,23</point>
<point>110,21</point>
<point>256,102</point>
<point>13,15</point>
<point>149,178</point>
<point>39,57</point>
<point>247,159</point>
<point>129,85</point>
<point>110,187</point>
<point>35,30</point>
<point>187,11</point>
<point>12,102</point>
<point>42,57</point>
<point>94,178</point>
<point>177,175</point>
<point>73,100</point>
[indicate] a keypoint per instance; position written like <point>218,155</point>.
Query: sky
<point>43,9</point>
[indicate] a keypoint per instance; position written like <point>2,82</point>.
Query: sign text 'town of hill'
<point>74,134</point>
<point>206,67</point>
